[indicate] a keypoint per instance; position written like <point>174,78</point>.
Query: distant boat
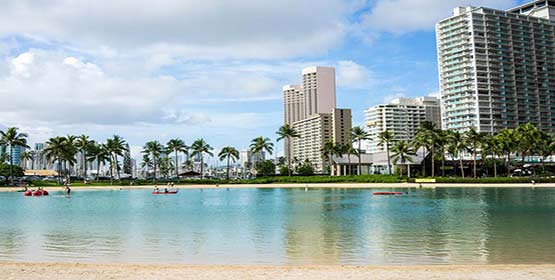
<point>387,193</point>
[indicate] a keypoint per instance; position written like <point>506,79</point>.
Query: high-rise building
<point>293,103</point>
<point>14,153</point>
<point>316,130</point>
<point>497,68</point>
<point>310,109</point>
<point>402,117</point>
<point>318,90</point>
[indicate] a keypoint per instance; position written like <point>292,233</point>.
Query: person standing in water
<point>68,191</point>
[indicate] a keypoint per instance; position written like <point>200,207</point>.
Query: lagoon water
<point>282,227</point>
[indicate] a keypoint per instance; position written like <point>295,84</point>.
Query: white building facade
<point>497,68</point>
<point>402,117</point>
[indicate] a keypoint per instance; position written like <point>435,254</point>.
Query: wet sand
<point>64,271</point>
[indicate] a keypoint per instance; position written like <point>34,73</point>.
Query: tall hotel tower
<point>311,110</point>
<point>497,68</point>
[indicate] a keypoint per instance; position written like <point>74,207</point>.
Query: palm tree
<point>508,144</point>
<point>24,157</point>
<point>57,149</point>
<point>12,138</point>
<point>153,149</point>
<point>176,146</point>
<point>100,154</point>
<point>404,152</point>
<point>347,149</point>
<point>116,146</point>
<point>69,157</point>
<point>474,140</point>
<point>328,151</point>
<point>426,137</point>
<point>457,147</point>
<point>229,153</point>
<point>545,147</point>
<point>200,147</point>
<point>261,144</point>
<point>442,144</point>
<point>287,132</point>
<point>83,143</point>
<point>527,137</point>
<point>147,163</point>
<point>358,135</point>
<point>384,139</point>
<point>491,146</point>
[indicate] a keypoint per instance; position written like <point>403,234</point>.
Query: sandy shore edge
<point>314,185</point>
<point>63,271</point>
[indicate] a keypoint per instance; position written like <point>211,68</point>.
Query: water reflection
<point>283,226</point>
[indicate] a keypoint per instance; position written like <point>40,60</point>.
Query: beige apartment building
<point>316,130</point>
<point>311,109</point>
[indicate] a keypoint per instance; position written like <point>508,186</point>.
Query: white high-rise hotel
<point>497,68</point>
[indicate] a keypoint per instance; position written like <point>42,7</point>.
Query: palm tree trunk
<point>330,162</point>
<point>474,156</point>
<point>154,165</point>
<point>97,168</point>
<point>494,166</point>
<point>59,170</point>
<point>201,167</point>
<point>111,171</point>
<point>408,170</point>
<point>84,167</point>
<point>461,163</point>
<point>508,164</point>
<point>388,158</point>
<point>442,163</point>
<point>349,166</point>
<point>433,161</point>
<point>289,157</point>
<point>117,167</point>
<point>227,167</point>
<point>176,166</point>
<point>359,169</point>
<point>424,162</point>
<point>11,165</point>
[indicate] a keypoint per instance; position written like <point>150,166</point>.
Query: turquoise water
<point>282,226</point>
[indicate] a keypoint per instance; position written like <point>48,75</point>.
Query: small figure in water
<point>166,190</point>
<point>156,188</point>
<point>68,191</point>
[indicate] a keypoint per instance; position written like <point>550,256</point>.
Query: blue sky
<point>211,69</point>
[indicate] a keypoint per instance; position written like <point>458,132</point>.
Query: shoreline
<point>309,185</point>
<point>63,271</point>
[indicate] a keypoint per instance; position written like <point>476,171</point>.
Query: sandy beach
<point>62,271</point>
<point>316,185</point>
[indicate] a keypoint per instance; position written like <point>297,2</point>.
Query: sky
<point>157,70</point>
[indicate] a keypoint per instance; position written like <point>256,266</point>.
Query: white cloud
<point>402,16</point>
<point>353,75</point>
<point>240,28</point>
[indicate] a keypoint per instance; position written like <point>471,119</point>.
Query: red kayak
<point>171,192</point>
<point>387,193</point>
